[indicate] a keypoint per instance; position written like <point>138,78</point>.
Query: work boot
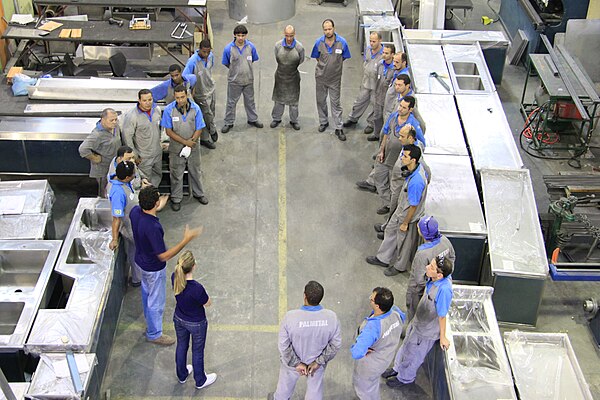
<point>322,127</point>
<point>373,260</point>
<point>202,199</point>
<point>395,383</point>
<point>208,144</point>
<point>373,138</point>
<point>368,129</point>
<point>295,125</point>
<point>256,124</point>
<point>226,128</point>
<point>380,235</point>
<point>388,373</point>
<point>274,124</point>
<point>214,136</point>
<point>391,271</point>
<point>383,210</point>
<point>164,340</point>
<point>340,135</point>
<point>364,185</point>
<point>378,227</point>
<point>349,123</point>
<point>175,206</point>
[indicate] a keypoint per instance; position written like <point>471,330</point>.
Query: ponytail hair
<point>185,263</point>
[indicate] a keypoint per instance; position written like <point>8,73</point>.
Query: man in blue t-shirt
<point>151,255</point>
<point>428,325</point>
<point>166,90</point>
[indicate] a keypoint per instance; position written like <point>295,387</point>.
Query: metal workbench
<point>424,59</point>
<point>444,132</point>
<point>34,221</point>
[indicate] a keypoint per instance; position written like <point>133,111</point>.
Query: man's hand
<point>113,244</point>
<point>189,234</point>
<point>312,368</point>
<point>162,201</point>
<point>145,182</point>
<point>444,343</point>
<point>404,227</point>
<point>95,158</point>
<point>302,369</point>
<point>369,351</point>
<point>190,143</point>
<point>380,156</point>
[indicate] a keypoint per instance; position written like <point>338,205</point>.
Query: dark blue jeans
<point>197,330</point>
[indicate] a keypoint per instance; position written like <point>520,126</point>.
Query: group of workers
<point>126,160</point>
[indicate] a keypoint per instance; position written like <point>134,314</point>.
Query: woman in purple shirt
<point>190,319</point>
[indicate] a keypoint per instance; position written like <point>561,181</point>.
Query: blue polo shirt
<point>117,196</point>
<point>371,333</point>
<point>167,117</point>
<point>190,65</point>
<point>160,91</point>
<point>227,52</point>
<point>190,303</point>
<point>370,52</point>
<point>415,186</point>
<point>410,120</point>
<point>345,49</point>
<point>444,294</point>
<point>148,235</point>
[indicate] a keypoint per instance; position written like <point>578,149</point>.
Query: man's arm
<point>160,91</point>
<point>334,345</point>
<point>116,224</point>
<point>188,235</point>
<point>186,142</point>
<point>381,153</point>
<point>365,340</point>
<point>444,342</point>
<point>302,53</point>
<point>288,354</point>
<point>86,149</point>
<point>409,215</point>
<point>128,130</point>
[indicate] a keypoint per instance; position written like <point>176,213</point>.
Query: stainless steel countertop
<point>468,69</point>
<point>19,390</point>
<point>36,193</point>
<point>428,36</point>
<point>516,245</point>
<point>374,7</point>
<point>545,367</point>
<point>424,59</point>
<point>86,258</point>
<point>25,268</point>
<point>23,226</point>
<point>45,383</point>
<point>488,133</point>
<point>444,133</point>
<point>476,362</point>
<point>46,128</point>
<point>452,196</point>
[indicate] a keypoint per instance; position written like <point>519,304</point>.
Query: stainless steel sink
<point>470,83</point>
<point>468,70</point>
<point>476,351</point>
<point>78,254</point>
<point>96,219</point>
<point>10,313</point>
<point>21,268</point>
<point>468,317</point>
<point>465,68</point>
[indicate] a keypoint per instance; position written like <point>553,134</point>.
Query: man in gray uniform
<point>427,327</point>
<point>141,132</point>
<point>369,82</point>
<point>435,245</point>
<point>385,73</point>
<point>166,89</point>
<point>401,236</point>
<point>101,146</point>
<point>330,51</point>
<point>201,64</point>
<point>184,123</point>
<point>376,343</point>
<point>238,57</point>
<point>289,54</point>
<point>308,339</point>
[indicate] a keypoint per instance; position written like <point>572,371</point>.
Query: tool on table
<point>114,21</point>
<point>449,35</point>
<point>183,32</point>
<point>140,23</point>
<point>440,80</point>
<point>487,20</point>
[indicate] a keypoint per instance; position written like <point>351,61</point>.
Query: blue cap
<point>429,228</point>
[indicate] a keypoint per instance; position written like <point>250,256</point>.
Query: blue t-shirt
<point>161,90</point>
<point>345,48</point>
<point>225,60</point>
<point>167,117</point>
<point>190,302</point>
<point>415,187</point>
<point>118,198</point>
<point>148,236</point>
<point>410,120</point>
<point>444,295</point>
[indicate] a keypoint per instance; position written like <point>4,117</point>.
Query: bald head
<point>289,32</point>
<point>375,41</point>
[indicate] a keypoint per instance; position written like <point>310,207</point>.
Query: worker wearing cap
<point>371,60</point>
<point>183,122</point>
<point>376,343</point>
<point>100,146</point>
<point>309,338</point>
<point>428,326</point>
<point>238,57</point>
<point>201,64</point>
<point>141,132</point>
<point>435,245</point>
<point>166,90</point>
<point>330,51</point>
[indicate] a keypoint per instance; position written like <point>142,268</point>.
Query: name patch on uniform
<point>338,51</point>
<point>312,324</point>
<point>175,119</point>
<point>390,329</point>
<point>118,212</point>
<point>249,58</point>
<point>131,196</point>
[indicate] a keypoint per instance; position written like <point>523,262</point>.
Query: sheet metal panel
<point>424,59</point>
<point>485,38</point>
<point>444,133</point>
<point>46,128</point>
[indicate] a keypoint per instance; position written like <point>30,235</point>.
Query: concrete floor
<point>284,210</point>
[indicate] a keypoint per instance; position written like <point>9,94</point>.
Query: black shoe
<point>134,284</point>
<point>373,260</point>
<point>295,125</point>
<point>395,383</point>
<point>383,210</point>
<point>273,124</point>
<point>364,185</point>
<point>226,128</point>
<point>391,271</point>
<point>214,136</point>
<point>322,127</point>
<point>378,227</point>
<point>380,235</point>
<point>256,124</point>
<point>208,144</point>
<point>368,129</point>
<point>202,199</point>
<point>340,135</point>
<point>373,138</point>
<point>175,206</point>
<point>388,373</point>
<point>349,123</point>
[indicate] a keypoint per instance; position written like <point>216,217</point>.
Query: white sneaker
<point>210,379</point>
<point>190,369</point>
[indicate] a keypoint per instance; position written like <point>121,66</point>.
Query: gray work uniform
<point>417,280</point>
<point>392,101</point>
<point>397,245</point>
<point>421,335</point>
<point>240,80</point>
<point>112,170</point>
<point>126,231</point>
<point>384,79</point>
<point>184,127</point>
<point>204,93</point>
<point>328,78</point>
<point>142,133</point>
<point>308,334</point>
<point>368,369</point>
<point>382,170</point>
<point>105,144</point>
<point>367,87</point>
<point>170,97</point>
<point>286,90</point>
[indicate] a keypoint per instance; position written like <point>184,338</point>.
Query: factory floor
<point>284,210</point>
